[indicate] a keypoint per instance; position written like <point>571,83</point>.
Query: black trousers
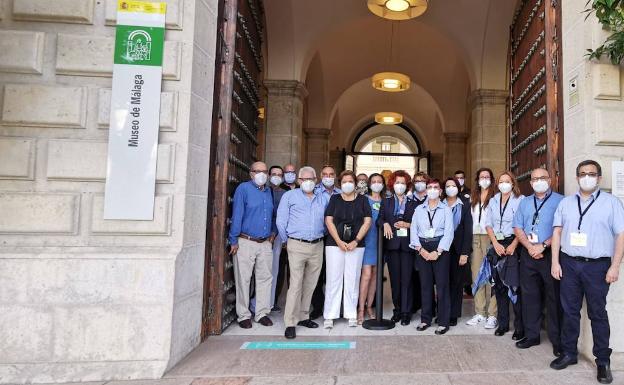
<point>539,290</point>
<point>502,294</point>
<point>282,275</point>
<point>434,273</point>
<point>457,276</point>
<point>401,267</point>
<point>587,279</point>
<point>318,297</point>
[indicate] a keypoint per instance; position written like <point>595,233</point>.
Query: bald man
<point>290,177</point>
<point>251,237</point>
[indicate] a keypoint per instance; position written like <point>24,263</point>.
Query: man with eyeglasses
<point>300,222</point>
<point>587,248</point>
<point>533,226</point>
<point>251,237</point>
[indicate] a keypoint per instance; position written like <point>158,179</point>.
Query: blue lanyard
<point>399,208</point>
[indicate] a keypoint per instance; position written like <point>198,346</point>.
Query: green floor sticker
<point>284,345</point>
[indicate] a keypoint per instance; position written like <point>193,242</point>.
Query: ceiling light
<point>397,5</point>
<point>391,81</point>
<point>398,9</point>
<point>388,118</point>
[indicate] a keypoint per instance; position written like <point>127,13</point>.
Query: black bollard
<point>379,323</point>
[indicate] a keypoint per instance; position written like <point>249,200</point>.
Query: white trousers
<point>343,270</point>
<point>277,250</point>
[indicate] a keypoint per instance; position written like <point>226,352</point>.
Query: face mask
<point>505,187</point>
<point>400,188</point>
<point>348,187</point>
<point>377,187</point>
<point>276,180</point>
<point>484,183</point>
<point>541,186</point>
<point>328,182</point>
<point>451,191</point>
<point>588,183</point>
<point>260,179</point>
<point>461,181</point>
<point>420,186</point>
<point>362,184</point>
<point>308,186</point>
<point>433,193</point>
<point>290,177</point>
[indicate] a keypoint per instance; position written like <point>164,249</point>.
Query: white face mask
<point>308,186</point>
<point>588,183</point>
<point>362,184</point>
<point>290,177</point>
<point>400,188</point>
<point>461,181</point>
<point>451,191</point>
<point>420,186</point>
<point>276,180</point>
<point>348,187</point>
<point>328,182</point>
<point>433,193</point>
<point>377,187</point>
<point>541,186</point>
<point>260,179</point>
<point>505,187</point>
<point>485,183</point>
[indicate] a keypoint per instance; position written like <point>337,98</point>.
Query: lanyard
<point>537,210</point>
<point>431,217</point>
<point>582,214</point>
<point>502,210</point>
<point>480,209</point>
<point>399,207</point>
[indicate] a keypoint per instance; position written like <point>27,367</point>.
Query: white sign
<point>135,111</point>
<point>617,179</point>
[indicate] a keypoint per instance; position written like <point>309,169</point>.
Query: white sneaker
<point>475,320</point>
<point>328,324</point>
<point>352,322</point>
<point>491,322</point>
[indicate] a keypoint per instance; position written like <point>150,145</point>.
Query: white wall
<point>82,298</point>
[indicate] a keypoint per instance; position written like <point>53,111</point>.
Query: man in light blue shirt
<point>588,243</point>
<point>533,229</point>
<point>300,222</point>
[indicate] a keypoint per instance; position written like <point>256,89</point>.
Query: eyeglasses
<point>260,171</point>
<point>307,179</point>
<point>591,174</point>
<point>544,178</point>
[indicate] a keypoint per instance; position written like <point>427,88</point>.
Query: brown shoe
<point>245,324</point>
<point>265,321</point>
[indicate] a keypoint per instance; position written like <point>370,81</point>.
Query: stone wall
<point>84,298</point>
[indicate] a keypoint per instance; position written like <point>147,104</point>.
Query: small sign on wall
<point>135,111</point>
<point>617,179</point>
<point>573,92</point>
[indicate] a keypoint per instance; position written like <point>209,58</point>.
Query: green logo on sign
<point>139,45</point>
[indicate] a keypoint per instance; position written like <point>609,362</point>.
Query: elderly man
<point>251,236</point>
<point>300,222</point>
<point>290,177</point>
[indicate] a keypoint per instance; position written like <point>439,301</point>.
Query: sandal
<point>371,312</point>
<point>360,317</point>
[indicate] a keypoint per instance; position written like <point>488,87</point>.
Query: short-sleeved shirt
<point>543,224</point>
<point>493,217</point>
<point>352,212</point>
<point>602,223</point>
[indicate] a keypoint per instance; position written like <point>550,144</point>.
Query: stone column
<point>593,112</point>
<point>284,121</point>
<point>488,143</point>
<point>317,147</point>
<point>455,152</point>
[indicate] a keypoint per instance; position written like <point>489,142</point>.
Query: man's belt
<point>306,241</point>
<point>585,259</point>
<point>250,238</point>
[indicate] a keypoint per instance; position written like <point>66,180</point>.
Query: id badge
<point>401,232</point>
<point>500,236</point>
<point>430,233</point>
<point>533,238</point>
<point>578,239</point>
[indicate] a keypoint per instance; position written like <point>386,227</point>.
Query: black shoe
<point>557,352</point>
<point>563,362</point>
<point>245,324</point>
<point>443,330</point>
<point>290,332</point>
<point>314,314</point>
<point>308,324</point>
<point>604,374</point>
<point>405,320</point>
<point>422,327</point>
<point>501,332</point>
<point>276,309</point>
<point>517,336</point>
<point>526,343</point>
<point>265,321</point>
<point>453,322</point>
<point>396,317</point>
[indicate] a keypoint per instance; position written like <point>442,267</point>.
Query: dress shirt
<point>523,219</point>
<point>442,224</point>
<point>300,216</point>
<point>479,213</point>
<point>493,218</point>
<point>320,188</point>
<point>252,212</point>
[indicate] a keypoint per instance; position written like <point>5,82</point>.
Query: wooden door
<point>238,74</point>
<point>536,120</point>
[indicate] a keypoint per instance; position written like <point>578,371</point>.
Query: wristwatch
<point>544,245</point>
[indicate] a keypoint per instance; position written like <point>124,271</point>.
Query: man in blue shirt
<point>300,223</point>
<point>251,237</point>
<point>587,248</point>
<point>533,227</point>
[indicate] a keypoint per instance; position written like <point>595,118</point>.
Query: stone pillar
<point>488,143</point>
<point>284,121</point>
<point>317,147</point>
<point>454,152</point>
<point>593,111</point>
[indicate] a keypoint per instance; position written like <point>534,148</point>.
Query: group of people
<point>531,255</point>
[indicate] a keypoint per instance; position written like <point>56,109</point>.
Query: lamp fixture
<point>398,9</point>
<point>388,118</point>
<point>391,81</point>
